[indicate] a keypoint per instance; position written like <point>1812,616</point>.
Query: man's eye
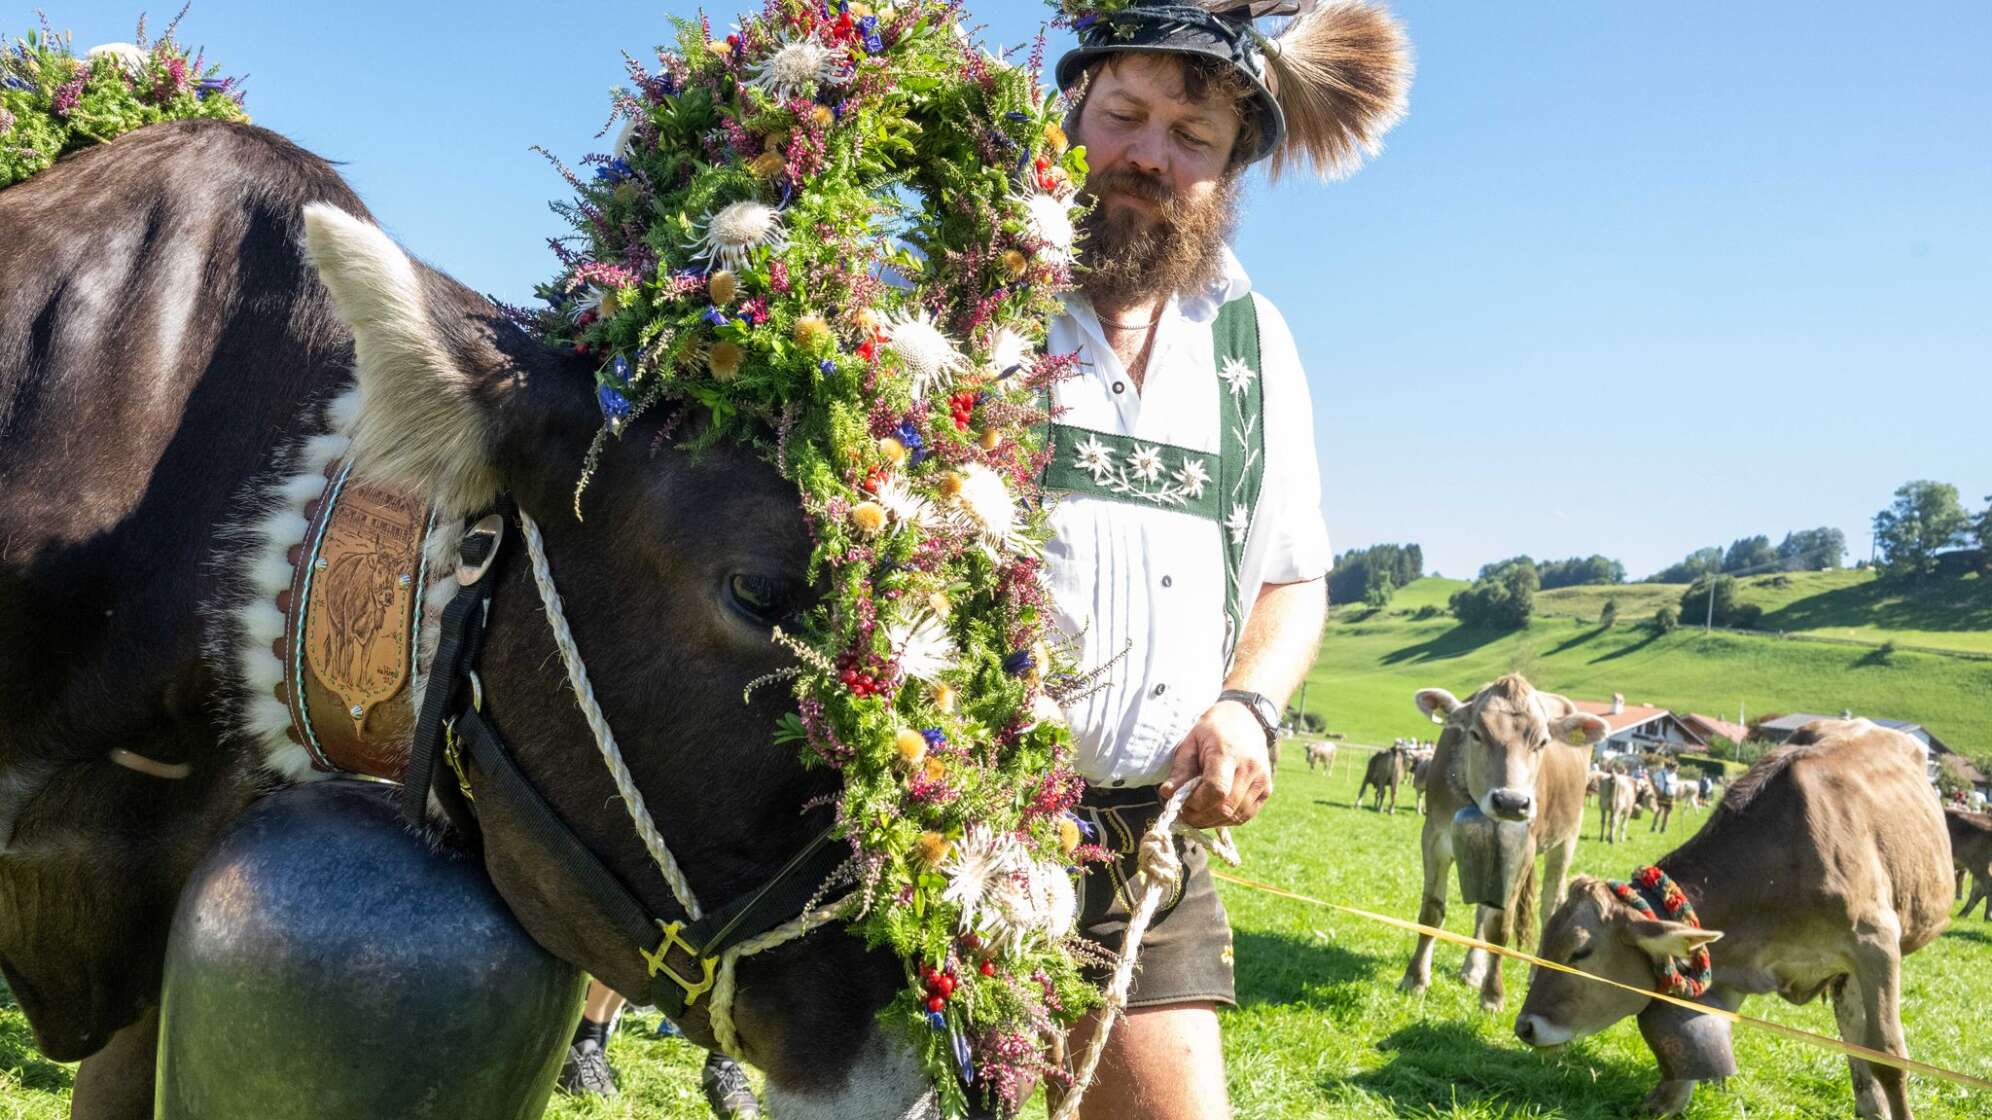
<point>1196,142</point>
<point>1120,118</point>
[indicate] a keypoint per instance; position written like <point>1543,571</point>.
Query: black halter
<point>681,956</point>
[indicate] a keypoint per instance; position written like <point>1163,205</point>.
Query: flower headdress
<point>52,102</point>
<point>841,231</point>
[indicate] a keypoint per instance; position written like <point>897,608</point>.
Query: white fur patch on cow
<point>417,425</point>
<point>886,1081</point>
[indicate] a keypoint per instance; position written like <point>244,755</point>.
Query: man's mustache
<point>1146,187</point>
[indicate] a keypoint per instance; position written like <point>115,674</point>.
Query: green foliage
<point>53,103</point>
<point>1371,575</point>
<point>1502,598</point>
<point>1925,519</point>
<point>1700,562</point>
<point>1813,550</point>
<point>1609,616</point>
<point>1666,619</point>
<point>1579,571</point>
<point>1714,599</point>
<point>1750,553</point>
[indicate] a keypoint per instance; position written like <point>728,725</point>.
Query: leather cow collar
<point>353,624</point>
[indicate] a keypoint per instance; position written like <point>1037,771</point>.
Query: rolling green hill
<point>1372,661</point>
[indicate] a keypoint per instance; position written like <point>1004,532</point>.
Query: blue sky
<point>1631,279</point>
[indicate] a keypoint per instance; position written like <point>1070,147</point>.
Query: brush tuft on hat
<point>1341,72</point>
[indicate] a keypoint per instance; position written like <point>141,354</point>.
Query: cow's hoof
<point>1669,1098</point>
<point>1413,986</point>
<point>1492,1004</point>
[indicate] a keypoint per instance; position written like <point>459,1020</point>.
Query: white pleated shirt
<point>1139,588</point>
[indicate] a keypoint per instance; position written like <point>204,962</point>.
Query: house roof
<point>1785,726</point>
<point>1632,716</point>
<point>1710,726</point>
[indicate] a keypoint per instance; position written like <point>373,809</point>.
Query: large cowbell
<point>325,961</point>
<point>1491,855</point>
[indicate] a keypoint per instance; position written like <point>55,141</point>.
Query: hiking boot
<point>726,1089</point>
<point>586,1071</point>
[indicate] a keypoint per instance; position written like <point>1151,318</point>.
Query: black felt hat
<point>1326,87</point>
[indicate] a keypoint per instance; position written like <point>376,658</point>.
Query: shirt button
<point>1120,386</point>
<point>1159,690</point>
<point>1168,581</point>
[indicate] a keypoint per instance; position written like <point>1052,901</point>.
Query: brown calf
<point>1971,850</point>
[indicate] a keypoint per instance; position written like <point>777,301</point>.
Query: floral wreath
<point>1675,981</point>
<point>839,232</point>
<point>53,103</point>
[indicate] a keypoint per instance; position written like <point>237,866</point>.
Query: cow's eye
<point>1580,954</point>
<point>762,599</point>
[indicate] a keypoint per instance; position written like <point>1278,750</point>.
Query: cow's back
<point>160,336</point>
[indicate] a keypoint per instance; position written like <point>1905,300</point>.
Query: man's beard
<point>1134,255</point>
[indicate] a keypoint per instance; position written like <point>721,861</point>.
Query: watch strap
<point>1259,705</point>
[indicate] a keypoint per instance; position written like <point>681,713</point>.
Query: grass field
<point>1371,662</point>
<point>1322,1031</point>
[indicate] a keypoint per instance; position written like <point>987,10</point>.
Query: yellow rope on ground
<point>1852,1050</point>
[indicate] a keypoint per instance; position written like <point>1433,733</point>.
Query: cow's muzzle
<point>1511,805</point>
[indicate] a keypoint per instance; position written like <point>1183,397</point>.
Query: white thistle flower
<point>1050,221</point>
<point>1236,374</point>
<point>987,500</point>
<point>1033,901</point>
<point>926,354</point>
<point>902,504</point>
<point>794,69</point>
<point>1146,463</point>
<point>591,300</point>
<point>1192,477</point>
<point>133,58</point>
<point>1238,523</point>
<point>736,230</point>
<point>1095,457</point>
<point>977,862</point>
<point>922,647</point>
<point>1008,350</point>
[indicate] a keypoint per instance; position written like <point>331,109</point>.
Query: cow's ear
<point>1663,939</point>
<point>420,422</point>
<point>1436,703</point>
<point>1579,729</point>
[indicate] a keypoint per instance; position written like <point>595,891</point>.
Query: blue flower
<point>1085,21</point>
<point>910,438</point>
<point>1019,663</point>
<point>715,316</point>
<point>621,368</point>
<point>1085,829</point>
<point>828,367</point>
<point>869,26</point>
<point>613,171</point>
<point>937,1020</point>
<point>13,81</point>
<point>1017,116</point>
<point>962,1057</point>
<point>933,736</point>
<point>615,406</point>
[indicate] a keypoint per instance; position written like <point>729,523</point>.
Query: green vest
<point>1222,488</point>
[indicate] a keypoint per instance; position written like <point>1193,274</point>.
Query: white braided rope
<point>1161,870</point>
<point>605,739</point>
<point>720,1011</point>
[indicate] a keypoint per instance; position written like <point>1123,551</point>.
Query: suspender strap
<point>1242,461</point>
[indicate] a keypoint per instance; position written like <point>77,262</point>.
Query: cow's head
<point>1501,734</point>
<point>1597,933</point>
<point>671,583</point>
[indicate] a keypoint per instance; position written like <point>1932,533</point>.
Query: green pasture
<point>1321,1029</point>
<point>1372,661</point>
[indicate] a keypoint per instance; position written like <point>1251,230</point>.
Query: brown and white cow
<point>1323,753</point>
<point>1971,851</point>
<point>1520,755</point>
<point>1819,871</point>
<point>1617,793</point>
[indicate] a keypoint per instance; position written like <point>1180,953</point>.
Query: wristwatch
<point>1262,708</point>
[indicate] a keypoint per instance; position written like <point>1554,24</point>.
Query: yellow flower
<point>1054,138</point>
<point>811,331</point>
<point>860,10</point>
<point>991,439</point>
<point>934,848</point>
<point>912,747</point>
<point>936,771</point>
<point>938,603</point>
<point>1068,834</point>
<point>774,141</point>
<point>869,517</point>
<point>822,116</point>
<point>950,484</point>
<point>723,286</point>
<point>720,47</point>
<point>893,450</point>
<point>944,697</point>
<point>1015,263</point>
<point>724,360</point>
<point>866,319</point>
<point>611,303</point>
<point>766,164</point>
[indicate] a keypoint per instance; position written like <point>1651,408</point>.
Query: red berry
<point>944,984</point>
<point>935,1003</point>
<point>581,348</point>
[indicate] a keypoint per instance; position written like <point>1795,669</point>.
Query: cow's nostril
<point>1524,1029</point>
<point>1510,803</point>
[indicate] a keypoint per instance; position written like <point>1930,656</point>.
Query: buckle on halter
<point>654,958</point>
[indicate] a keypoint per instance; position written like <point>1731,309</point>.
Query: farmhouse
<point>1934,749</point>
<point>1639,728</point>
<point>1706,728</point>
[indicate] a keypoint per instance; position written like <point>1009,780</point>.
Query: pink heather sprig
<point>601,274</point>
<point>66,96</point>
<point>778,276</point>
<point>1036,64</point>
<point>744,142</point>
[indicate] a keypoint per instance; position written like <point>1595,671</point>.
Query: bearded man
<point>1188,552</point>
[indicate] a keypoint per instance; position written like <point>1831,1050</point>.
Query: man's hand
<point>1227,748</point>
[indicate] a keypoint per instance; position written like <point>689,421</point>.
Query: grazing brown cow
<point>1385,770</point>
<point>1971,850</point>
<point>1617,793</point>
<point>1520,755</point>
<point>1820,870</point>
<point>1421,774</point>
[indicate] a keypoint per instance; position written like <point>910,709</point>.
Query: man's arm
<point>1227,746</point>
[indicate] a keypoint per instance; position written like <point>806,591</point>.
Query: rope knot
<point>1161,868</point>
